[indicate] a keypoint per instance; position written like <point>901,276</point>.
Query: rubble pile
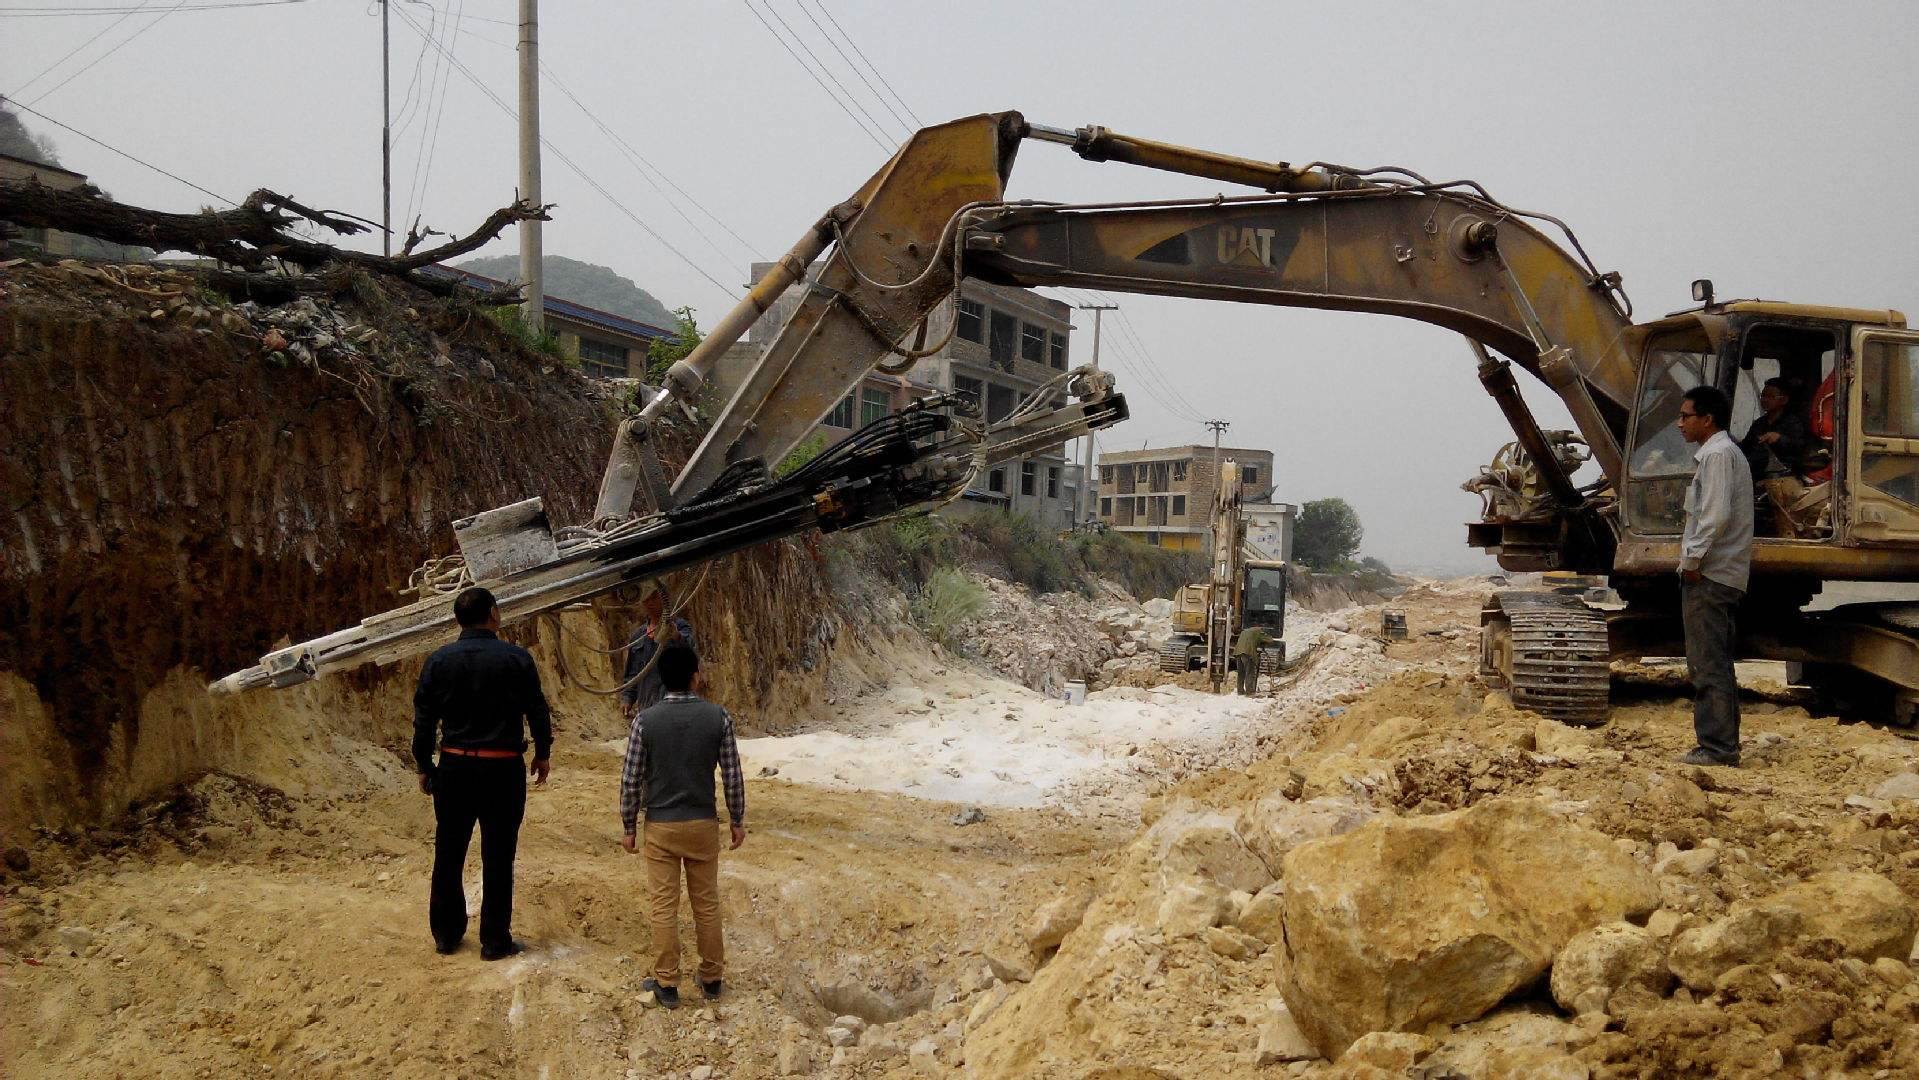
<point>1426,879</point>
<point>1044,642</point>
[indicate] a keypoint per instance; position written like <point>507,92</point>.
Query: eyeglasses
<point>1690,415</point>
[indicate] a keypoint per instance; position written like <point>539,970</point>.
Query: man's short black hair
<point>677,665</point>
<point>1781,384</point>
<point>473,606</point>
<point>1712,401</point>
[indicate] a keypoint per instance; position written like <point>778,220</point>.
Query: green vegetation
<point>665,352</point>
<point>806,451</point>
<point>1140,568</point>
<point>544,342</point>
<point>948,602</point>
<point>582,283</point>
<point>1327,535</point>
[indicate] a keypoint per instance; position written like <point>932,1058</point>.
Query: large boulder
<point>1862,914</point>
<point>1409,922</point>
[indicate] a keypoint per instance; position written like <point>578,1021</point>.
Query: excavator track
<point>1550,651</point>
<point>1172,655</point>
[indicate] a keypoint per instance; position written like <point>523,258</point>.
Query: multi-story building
<point>1165,496</point>
<point>1004,345</point>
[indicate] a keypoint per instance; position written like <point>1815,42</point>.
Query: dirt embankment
<point>189,482</point>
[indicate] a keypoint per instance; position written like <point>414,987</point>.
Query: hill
<point>582,283</point>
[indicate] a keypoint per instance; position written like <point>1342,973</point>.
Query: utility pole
<point>533,308</point>
<point>1088,488</point>
<point>386,129</point>
<point>1219,482</point>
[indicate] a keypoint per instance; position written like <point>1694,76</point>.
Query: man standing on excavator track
<point>1715,560</point>
<point>474,695</point>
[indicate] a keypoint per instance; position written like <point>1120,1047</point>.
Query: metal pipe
<point>1497,377</point>
<point>1098,144</point>
<point>686,376</point>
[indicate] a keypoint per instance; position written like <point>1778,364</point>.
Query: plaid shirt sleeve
<point>633,777</point>
<point>731,779</point>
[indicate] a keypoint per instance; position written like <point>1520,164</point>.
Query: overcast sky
<point>1771,147</point>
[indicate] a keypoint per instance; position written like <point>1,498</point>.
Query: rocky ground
<point>1162,883</point>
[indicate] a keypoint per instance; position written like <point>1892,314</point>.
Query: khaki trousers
<point>694,846</point>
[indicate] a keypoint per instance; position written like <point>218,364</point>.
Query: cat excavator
<point>1243,591</point>
<point>1516,284</point>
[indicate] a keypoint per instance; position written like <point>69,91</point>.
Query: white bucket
<point>1076,692</point>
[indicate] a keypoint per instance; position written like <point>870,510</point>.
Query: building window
<point>1160,471</point>
<point>1028,475</point>
<point>1156,510</point>
<point>603,358</point>
<point>872,405</point>
<point>1106,508</point>
<point>971,320</point>
<point>1105,474</point>
<point>1000,401</point>
<point>1179,506</point>
<point>1249,474</point>
<point>1058,355</point>
<point>1179,471</point>
<point>842,414</point>
<point>1139,505</point>
<point>971,391</point>
<point>996,480</point>
<point>1005,335</point>
<point>1032,343</point>
<point>1052,481</point>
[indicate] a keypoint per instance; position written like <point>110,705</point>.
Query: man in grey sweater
<point>1715,560</point>
<point>672,751</point>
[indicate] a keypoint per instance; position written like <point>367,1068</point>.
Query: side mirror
<point>1702,291</point>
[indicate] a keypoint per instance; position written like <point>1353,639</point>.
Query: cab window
<point>1661,463</point>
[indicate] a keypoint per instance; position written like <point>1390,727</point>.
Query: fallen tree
<point>255,234</point>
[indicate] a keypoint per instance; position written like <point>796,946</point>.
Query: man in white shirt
<point>1715,560</point>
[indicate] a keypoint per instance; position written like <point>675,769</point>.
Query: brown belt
<point>464,752</point>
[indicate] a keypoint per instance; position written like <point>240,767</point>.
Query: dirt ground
<point>238,930</point>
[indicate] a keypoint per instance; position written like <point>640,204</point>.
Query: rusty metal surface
<point>889,269</point>
<point>1382,250</point>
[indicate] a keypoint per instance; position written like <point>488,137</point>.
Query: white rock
<point>74,938</point>
<point>1903,786</point>
<point>700,1072</point>
<point>839,1036</point>
<point>1280,1040</point>
<point>1190,906</point>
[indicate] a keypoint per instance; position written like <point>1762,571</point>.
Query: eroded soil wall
<point>177,502</point>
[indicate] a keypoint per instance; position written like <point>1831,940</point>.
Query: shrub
<point>800,455</point>
<point>544,342</point>
<point>949,601</point>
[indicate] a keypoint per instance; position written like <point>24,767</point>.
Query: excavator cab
<point>1848,480</point>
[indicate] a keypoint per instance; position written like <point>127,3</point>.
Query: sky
<point>1771,147</point>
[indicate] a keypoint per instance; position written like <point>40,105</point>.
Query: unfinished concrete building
<point>1164,496</point>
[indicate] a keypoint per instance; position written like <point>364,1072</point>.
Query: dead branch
<point>252,234</point>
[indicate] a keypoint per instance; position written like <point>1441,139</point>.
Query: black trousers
<point>1708,610</point>
<point>1248,674</point>
<point>492,793</point>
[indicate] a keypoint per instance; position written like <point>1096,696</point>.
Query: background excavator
<point>1243,590</point>
<point>1382,240</point>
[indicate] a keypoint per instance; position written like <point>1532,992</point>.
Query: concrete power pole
<point>1088,488</point>
<point>533,308</point>
<point>386,131</point>
<point>1219,482</point>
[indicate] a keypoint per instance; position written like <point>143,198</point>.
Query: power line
<point>436,114</point>
<point>917,122</point>
<point>634,158</point>
<point>42,96</point>
<point>43,12</point>
<point>642,163</point>
<point>877,96</point>
<point>18,90</point>
<point>419,63</point>
<point>1126,327</point>
<point>809,71</point>
<point>824,70</point>
<point>468,74</point>
<point>117,150</point>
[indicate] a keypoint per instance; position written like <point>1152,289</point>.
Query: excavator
<point>1516,284</point>
<point>1242,591</point>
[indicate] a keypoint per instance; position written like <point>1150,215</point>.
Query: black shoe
<point>511,948</point>
<point>1699,755</point>
<point>443,946</point>
<point>666,997</point>
<point>711,989</point>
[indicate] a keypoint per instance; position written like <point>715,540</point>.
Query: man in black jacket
<point>642,669</point>
<point>475,693</point>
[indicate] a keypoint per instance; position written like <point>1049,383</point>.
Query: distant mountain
<point>582,283</point>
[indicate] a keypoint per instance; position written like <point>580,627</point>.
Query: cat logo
<point>1245,246</point>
